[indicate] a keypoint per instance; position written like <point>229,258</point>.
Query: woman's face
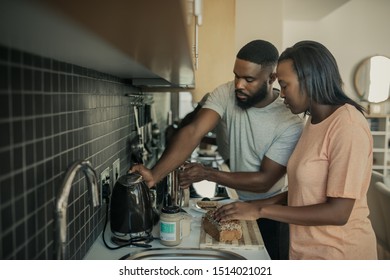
<point>297,101</point>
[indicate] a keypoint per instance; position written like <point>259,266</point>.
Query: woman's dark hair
<point>318,73</point>
<point>259,52</point>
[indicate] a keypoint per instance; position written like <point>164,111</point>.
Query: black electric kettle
<point>131,212</point>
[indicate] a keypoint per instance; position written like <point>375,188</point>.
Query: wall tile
<point>51,114</point>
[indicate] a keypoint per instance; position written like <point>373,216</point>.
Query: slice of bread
<point>207,205</point>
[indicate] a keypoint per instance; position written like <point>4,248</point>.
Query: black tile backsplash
<point>51,114</point>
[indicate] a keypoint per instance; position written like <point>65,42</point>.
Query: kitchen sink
<point>183,254</point>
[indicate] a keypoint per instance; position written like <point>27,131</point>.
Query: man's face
<point>251,83</point>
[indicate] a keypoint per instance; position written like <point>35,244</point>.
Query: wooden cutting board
<point>251,239</point>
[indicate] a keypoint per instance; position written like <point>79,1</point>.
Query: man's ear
<point>272,78</point>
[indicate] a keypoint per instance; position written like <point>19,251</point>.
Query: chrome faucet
<point>62,202</point>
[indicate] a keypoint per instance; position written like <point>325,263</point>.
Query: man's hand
<point>192,173</point>
<point>145,173</point>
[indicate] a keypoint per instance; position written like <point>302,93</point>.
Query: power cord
<point>106,192</point>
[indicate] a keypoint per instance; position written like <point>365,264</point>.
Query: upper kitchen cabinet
<point>146,41</point>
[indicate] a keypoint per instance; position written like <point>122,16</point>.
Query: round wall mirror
<point>372,79</point>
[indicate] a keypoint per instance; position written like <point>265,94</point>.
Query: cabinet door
<point>216,42</point>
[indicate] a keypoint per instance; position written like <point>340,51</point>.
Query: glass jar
<point>174,225</point>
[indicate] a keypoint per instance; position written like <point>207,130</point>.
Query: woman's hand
<point>238,210</point>
<point>145,173</point>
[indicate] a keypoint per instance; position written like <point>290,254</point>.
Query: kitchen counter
<point>99,251</point>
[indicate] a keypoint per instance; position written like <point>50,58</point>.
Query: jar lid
<point>170,209</point>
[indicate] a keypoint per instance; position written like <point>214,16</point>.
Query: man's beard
<point>254,99</point>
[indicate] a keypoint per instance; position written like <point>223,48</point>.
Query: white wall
<point>259,19</point>
<point>354,31</point>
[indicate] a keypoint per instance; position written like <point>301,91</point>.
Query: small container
<point>173,225</point>
<point>174,192</point>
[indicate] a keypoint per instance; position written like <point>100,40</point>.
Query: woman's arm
<point>248,210</point>
<point>335,211</point>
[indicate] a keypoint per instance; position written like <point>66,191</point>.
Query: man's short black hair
<point>259,52</point>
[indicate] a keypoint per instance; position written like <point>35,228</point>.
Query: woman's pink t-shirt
<point>333,159</point>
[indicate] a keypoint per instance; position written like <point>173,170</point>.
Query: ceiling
<point>310,9</point>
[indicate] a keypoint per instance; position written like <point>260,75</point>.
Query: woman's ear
<point>272,78</point>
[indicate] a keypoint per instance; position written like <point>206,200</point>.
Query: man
<point>262,134</point>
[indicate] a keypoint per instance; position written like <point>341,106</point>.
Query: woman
<point>330,169</point>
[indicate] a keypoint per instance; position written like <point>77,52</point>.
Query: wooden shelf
<point>380,130</point>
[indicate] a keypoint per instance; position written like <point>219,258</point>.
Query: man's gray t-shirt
<point>272,131</point>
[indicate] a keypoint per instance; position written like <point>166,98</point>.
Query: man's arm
<point>180,147</point>
<point>261,181</point>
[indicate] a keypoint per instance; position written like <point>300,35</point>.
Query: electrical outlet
<point>104,178</point>
<point>116,170</point>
